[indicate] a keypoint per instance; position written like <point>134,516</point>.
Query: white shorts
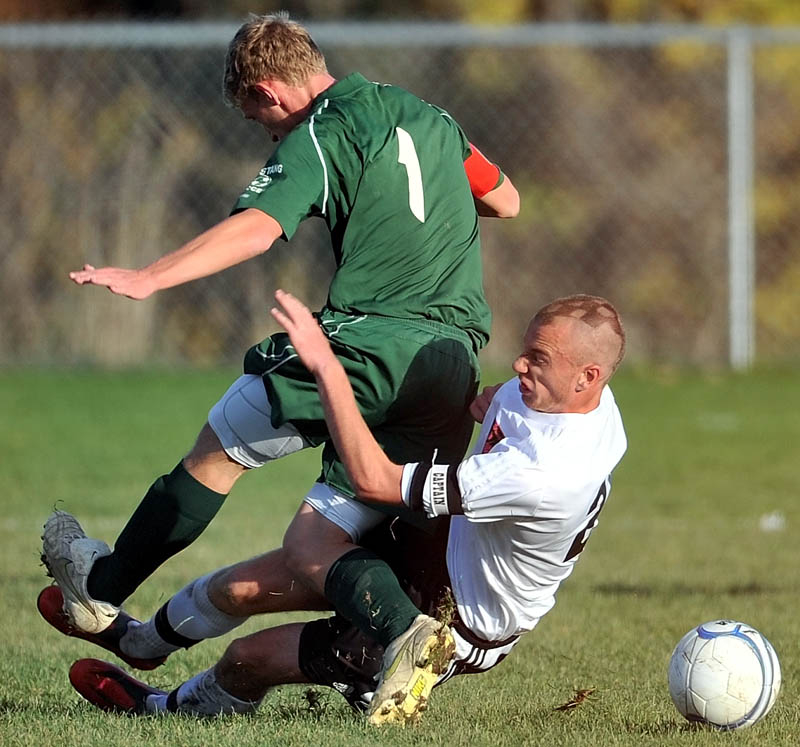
<point>241,420</point>
<point>472,657</point>
<point>354,517</point>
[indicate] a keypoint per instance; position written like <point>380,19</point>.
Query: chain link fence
<point>116,147</point>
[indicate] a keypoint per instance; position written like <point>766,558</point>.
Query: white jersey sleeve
<point>485,487</point>
<point>500,484</point>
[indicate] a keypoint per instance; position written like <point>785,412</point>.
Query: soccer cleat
<point>412,663</point>
<point>69,555</point>
<point>109,688</point>
<point>51,608</point>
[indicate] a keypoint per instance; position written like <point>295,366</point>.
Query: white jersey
<point>530,495</point>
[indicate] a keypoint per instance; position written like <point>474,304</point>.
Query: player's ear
<point>265,89</point>
<point>588,377</point>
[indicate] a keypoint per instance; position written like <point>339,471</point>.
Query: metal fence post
<point>741,250</point>
<point>615,134</point>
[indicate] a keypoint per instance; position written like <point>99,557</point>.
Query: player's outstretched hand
<point>131,283</point>
<point>304,331</point>
<point>481,403</point>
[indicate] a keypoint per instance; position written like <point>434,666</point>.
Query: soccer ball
<point>725,674</point>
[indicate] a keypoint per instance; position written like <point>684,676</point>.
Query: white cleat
<point>412,663</point>
<point>69,556</point>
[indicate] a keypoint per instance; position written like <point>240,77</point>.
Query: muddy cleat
<point>109,688</point>
<point>412,663</point>
<point>51,608</point>
<point>69,556</point>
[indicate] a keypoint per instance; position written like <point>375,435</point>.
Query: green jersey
<point>384,169</point>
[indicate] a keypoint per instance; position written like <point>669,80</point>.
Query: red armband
<point>483,175</point>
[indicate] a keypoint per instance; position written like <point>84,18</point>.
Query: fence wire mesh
<point>118,153</point>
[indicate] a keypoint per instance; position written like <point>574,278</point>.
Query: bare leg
<point>208,463</point>
<point>357,582</point>
<point>311,545</point>
<point>262,584</point>
<point>252,664</point>
<point>217,603</point>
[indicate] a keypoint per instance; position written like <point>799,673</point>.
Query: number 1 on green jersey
<point>407,155</point>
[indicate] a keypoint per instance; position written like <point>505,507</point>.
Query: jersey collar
<point>342,87</point>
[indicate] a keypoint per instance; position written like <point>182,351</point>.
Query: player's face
<point>547,374</point>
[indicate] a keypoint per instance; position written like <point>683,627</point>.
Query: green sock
<point>172,514</point>
<point>362,588</point>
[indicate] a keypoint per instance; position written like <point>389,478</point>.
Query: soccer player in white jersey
<point>522,508</point>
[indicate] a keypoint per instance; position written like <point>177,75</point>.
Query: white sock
<point>202,696</point>
<point>155,704</point>
<point>143,641</point>
<point>190,617</point>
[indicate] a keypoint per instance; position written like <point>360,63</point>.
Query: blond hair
<point>269,47</point>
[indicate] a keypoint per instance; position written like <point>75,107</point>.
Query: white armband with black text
<point>432,488</point>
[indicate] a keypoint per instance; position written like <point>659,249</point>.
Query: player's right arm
<point>498,485</point>
<point>373,475</point>
<point>232,241</point>
<point>494,194</point>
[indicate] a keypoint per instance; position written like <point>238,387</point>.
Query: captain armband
<point>483,175</point>
<point>432,488</point>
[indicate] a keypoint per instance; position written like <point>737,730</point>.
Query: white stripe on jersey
<point>469,657</point>
<point>319,153</point>
<point>325,323</point>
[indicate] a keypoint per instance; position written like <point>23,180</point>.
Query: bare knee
<point>261,584</point>
<point>239,671</point>
<point>254,663</point>
<point>242,655</point>
<point>253,586</point>
<point>210,465</point>
<point>232,594</point>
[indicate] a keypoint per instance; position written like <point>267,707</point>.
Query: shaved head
<point>596,334</point>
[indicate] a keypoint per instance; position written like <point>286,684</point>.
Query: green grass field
<point>679,543</point>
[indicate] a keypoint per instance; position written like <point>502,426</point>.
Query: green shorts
<point>413,381</point>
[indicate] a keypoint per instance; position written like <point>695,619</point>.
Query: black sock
<point>364,589</point>
<point>172,514</point>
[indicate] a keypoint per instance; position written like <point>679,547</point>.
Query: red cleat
<point>50,604</point>
<point>109,688</point>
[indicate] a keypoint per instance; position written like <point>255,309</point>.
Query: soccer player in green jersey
<point>399,187</point>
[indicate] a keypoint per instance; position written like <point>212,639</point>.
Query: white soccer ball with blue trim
<point>725,674</point>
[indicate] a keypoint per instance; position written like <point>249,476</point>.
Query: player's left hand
<point>304,331</point>
<point>480,405</point>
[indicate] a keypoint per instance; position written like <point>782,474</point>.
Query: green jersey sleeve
<point>291,187</point>
<point>385,171</point>
<point>466,149</point>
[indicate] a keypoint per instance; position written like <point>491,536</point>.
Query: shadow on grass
<point>676,590</point>
<point>311,705</point>
<point>665,728</point>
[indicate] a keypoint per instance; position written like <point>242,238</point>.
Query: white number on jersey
<point>407,155</point>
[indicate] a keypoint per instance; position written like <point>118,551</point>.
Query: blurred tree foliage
<point>116,164</point>
<point>474,11</point>
<point>619,154</point>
